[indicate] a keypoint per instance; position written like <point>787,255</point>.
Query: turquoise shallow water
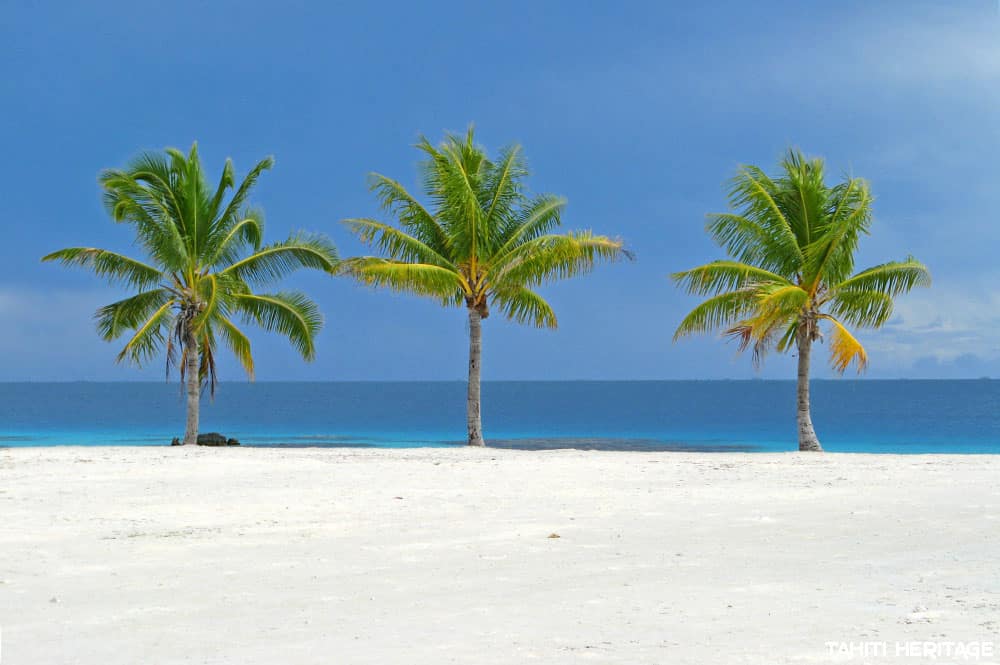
<point>850,416</point>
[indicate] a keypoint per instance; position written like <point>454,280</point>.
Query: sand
<point>429,556</point>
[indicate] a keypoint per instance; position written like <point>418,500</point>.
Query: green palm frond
<point>720,276</point>
<point>503,190</point>
<point>756,195</point>
<point>238,343</point>
<point>227,245</point>
<point>802,196</point>
<point>131,313</point>
<point>151,207</point>
<point>892,278</point>
<point>553,257</point>
<point>864,309</point>
<point>419,278</point>
<point>117,268</point>
<point>539,216</point>
<point>749,242</point>
<point>722,311</point>
<point>525,306</point>
<point>395,242</point>
<point>280,259</point>
<point>830,256</point>
<point>394,199</point>
<point>149,336</point>
<point>290,314</point>
<point>236,204</point>
<point>226,181</point>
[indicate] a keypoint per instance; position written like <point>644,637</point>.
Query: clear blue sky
<point>636,112</point>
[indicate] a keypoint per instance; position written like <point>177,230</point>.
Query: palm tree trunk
<point>193,389</point>
<point>473,403</point>
<point>807,435</point>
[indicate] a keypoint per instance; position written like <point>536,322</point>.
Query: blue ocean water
<point>857,416</point>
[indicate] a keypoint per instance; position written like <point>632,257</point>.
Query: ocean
<point>755,415</point>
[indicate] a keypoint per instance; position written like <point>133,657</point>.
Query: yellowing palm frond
<point>845,348</point>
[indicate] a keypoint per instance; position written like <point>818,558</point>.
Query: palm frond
<point>502,192</point>
<point>396,243</point>
<point>117,268</point>
<point>151,206</point>
<point>130,313</point>
<point>236,208</point>
<point>760,334</point>
<point>538,216</point>
<point>830,256</point>
<point>750,242</point>
<point>420,278</point>
<point>719,276</point>
<point>845,348</point>
<point>525,306</point>
<point>394,199</point>
<point>721,311</point>
<point>226,180</point>
<point>149,336</point>
<point>755,194</point>
<point>454,177</point>
<point>207,370</point>
<point>864,309</point>
<point>553,257</point>
<point>288,313</point>
<point>777,304</point>
<point>802,196</point>
<point>247,232</point>
<point>275,261</point>
<point>236,204</point>
<point>238,343</point>
<point>208,301</point>
<point>892,278</point>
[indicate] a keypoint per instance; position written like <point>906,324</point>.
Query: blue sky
<point>636,112</point>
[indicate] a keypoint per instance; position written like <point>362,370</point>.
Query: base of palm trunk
<point>810,445</point>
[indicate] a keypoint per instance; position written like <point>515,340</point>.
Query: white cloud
<point>945,323</point>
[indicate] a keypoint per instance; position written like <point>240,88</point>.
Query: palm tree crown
<point>793,240</point>
<point>204,258</point>
<point>483,242</point>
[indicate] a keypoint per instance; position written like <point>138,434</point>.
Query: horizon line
<point>676,380</point>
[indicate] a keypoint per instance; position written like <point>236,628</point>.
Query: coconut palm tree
<point>792,240</point>
<point>482,243</point>
<point>204,258</point>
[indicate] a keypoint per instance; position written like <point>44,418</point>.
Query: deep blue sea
<point>858,416</point>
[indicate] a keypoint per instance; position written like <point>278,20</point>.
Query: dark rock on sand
<point>210,439</point>
<point>215,439</point>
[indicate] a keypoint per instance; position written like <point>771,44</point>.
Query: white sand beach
<point>158,555</point>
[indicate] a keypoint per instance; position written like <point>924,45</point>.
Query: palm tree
<point>483,242</point>
<point>204,258</point>
<point>792,241</point>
